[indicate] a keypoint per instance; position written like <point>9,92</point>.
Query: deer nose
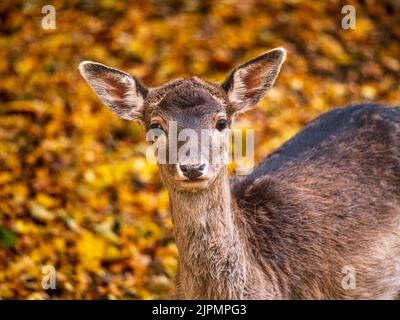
<point>192,171</point>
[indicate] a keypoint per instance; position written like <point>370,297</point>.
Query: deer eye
<point>156,129</point>
<point>221,124</point>
<point>155,126</point>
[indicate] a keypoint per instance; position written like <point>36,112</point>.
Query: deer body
<point>293,232</point>
<point>326,202</point>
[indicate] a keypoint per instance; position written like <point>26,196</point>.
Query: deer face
<point>190,116</point>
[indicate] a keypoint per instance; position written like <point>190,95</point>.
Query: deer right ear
<point>247,84</point>
<point>122,93</point>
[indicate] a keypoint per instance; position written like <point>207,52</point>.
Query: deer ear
<point>122,93</point>
<point>248,83</point>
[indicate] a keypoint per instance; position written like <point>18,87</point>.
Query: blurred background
<point>75,189</point>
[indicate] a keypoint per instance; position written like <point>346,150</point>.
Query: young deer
<point>325,203</point>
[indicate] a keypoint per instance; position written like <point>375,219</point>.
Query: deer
<point>319,211</point>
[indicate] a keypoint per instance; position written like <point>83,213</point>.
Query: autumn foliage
<point>76,191</point>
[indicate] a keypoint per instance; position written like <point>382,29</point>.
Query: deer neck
<point>212,256</point>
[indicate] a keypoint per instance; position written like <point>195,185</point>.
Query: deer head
<point>189,104</point>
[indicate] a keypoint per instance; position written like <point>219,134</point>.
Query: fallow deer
<point>326,200</point>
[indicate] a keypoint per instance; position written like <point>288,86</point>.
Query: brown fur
<point>337,204</point>
<point>289,234</point>
<point>327,199</point>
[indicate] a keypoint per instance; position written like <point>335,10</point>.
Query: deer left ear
<point>122,93</point>
<point>248,83</point>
